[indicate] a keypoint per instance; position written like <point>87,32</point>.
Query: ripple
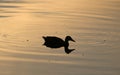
<point>4,16</point>
<point>8,6</point>
<point>36,60</point>
<point>23,56</point>
<point>11,1</point>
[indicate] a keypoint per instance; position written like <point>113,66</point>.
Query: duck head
<point>69,38</point>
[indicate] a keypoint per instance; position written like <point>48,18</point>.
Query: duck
<point>56,42</point>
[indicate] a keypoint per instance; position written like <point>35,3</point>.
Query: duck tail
<point>43,37</point>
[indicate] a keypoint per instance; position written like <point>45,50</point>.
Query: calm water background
<point>94,24</point>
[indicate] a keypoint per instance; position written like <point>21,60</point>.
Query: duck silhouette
<point>56,42</point>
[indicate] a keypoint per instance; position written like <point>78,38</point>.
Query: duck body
<point>56,42</point>
<point>53,42</point>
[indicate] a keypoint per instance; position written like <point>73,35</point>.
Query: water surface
<point>94,25</point>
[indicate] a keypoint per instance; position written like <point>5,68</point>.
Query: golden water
<point>93,24</point>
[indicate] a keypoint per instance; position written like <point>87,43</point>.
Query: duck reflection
<point>56,42</point>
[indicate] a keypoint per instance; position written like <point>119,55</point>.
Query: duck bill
<point>72,40</point>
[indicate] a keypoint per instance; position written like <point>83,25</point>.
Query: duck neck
<point>67,50</point>
<point>66,43</point>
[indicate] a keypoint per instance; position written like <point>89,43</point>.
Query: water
<point>93,24</point>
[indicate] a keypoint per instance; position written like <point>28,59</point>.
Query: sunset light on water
<point>93,24</point>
